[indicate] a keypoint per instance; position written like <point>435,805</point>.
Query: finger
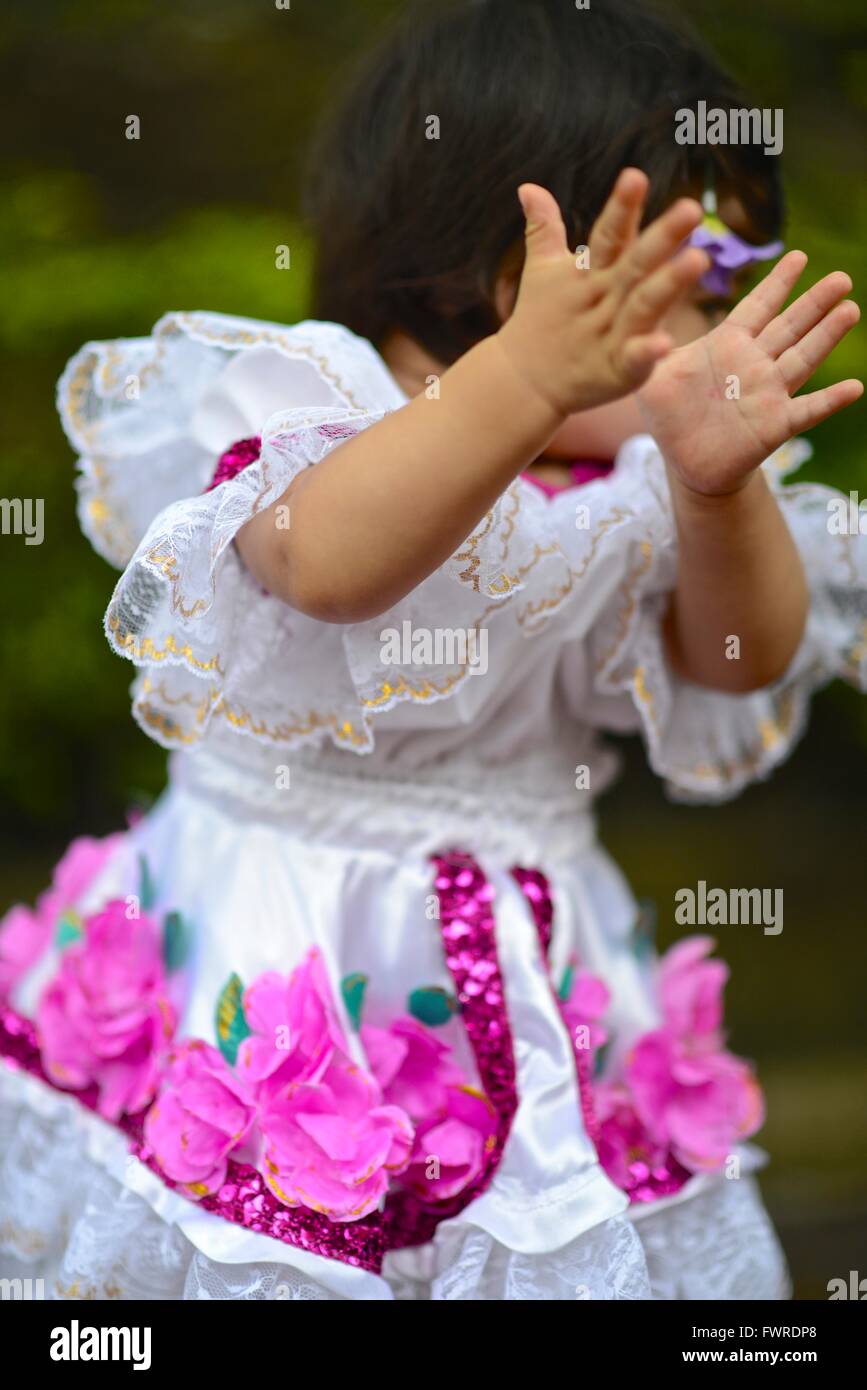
<point>654,297</point>
<point>640,355</point>
<point>756,309</point>
<point>617,225</point>
<point>800,362</point>
<point>789,328</point>
<point>659,242</point>
<point>545,232</point>
<point>812,409</point>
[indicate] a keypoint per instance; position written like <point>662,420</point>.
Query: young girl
<point>362,1009</point>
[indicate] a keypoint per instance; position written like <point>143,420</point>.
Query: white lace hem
<point>106,1223</point>
<point>79,1213</point>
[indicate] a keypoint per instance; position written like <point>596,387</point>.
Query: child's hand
<point>721,405</point>
<point>582,337</point>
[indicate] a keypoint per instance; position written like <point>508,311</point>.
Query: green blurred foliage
<point>99,237</point>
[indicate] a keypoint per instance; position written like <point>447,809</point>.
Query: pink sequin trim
<point>649,1184</point>
<point>469,935</point>
<point>237,457</point>
<point>243,452</point>
<point>537,890</point>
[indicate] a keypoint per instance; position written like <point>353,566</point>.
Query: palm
<point>719,406</point>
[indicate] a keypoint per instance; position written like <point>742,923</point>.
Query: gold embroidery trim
<point>859,650</point>
<point>146,650</point>
<point>214,704</point>
<point>532,610</point>
<point>110,367</point>
<point>344,730</point>
<point>506,582</point>
<point>770,731</point>
<point>167,565</point>
<point>630,603</point>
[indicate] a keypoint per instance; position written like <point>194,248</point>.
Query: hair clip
<point>728,252</point>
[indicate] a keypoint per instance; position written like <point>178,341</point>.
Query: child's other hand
<point>582,337</point>
<point>721,405</point>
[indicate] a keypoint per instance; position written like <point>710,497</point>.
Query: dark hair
<point>411,232</point>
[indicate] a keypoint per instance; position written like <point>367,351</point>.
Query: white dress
<point>312,777</point>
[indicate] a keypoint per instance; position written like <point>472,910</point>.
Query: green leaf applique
<point>600,1059</point>
<point>644,930</point>
<point>69,929</point>
<point>567,981</point>
<point>432,1005</point>
<point>146,890</point>
<point>353,987</point>
<point>231,1025</point>
<point>176,941</point>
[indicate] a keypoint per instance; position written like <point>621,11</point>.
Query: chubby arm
<point>384,510</point>
<point>739,575</point>
<point>717,408</point>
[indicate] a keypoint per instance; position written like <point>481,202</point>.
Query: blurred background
<point>101,235</point>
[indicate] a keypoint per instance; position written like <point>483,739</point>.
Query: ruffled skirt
<point>347,874</point>
<point>92,1223</point>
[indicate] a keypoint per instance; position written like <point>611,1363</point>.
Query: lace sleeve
<point>148,417</point>
<point>151,419</point>
<point>708,745</point>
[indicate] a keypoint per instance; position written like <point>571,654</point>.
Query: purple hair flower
<point>728,253</point>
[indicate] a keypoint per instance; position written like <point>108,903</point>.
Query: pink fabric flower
<point>691,988</point>
<point>295,1028</point>
<point>413,1067</point>
<point>202,1113</point>
<point>588,1000</point>
<point>449,1152</point>
<point>697,1098</point>
<point>640,1165</point>
<point>106,1018</point>
<point>25,934</point>
<point>683,1102</point>
<point>332,1145</point>
<point>78,868</point>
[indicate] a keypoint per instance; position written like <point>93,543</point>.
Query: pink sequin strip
<point>648,1184</point>
<point>243,452</point>
<point>537,890</point>
<point>469,936</point>
<point>236,458</point>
